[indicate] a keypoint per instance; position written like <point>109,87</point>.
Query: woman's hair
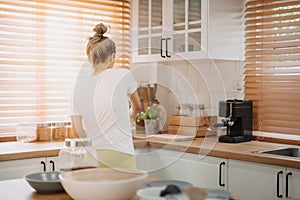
<point>100,47</point>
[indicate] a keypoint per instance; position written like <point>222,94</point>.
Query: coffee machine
<point>237,116</point>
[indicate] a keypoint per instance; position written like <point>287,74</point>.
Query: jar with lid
<point>26,132</point>
<point>198,110</point>
<point>59,131</point>
<point>70,133</point>
<point>77,153</point>
<point>43,132</point>
<point>184,110</point>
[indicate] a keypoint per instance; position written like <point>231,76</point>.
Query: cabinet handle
<point>53,166</point>
<point>167,48</point>
<point>161,49</point>
<point>44,165</point>
<point>220,175</point>
<point>278,174</point>
<point>287,184</point>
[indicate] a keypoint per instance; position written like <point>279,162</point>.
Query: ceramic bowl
<point>103,183</point>
<point>45,182</point>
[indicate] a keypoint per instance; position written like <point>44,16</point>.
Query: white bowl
<point>103,183</point>
<point>153,193</point>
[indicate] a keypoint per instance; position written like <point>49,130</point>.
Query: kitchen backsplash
<point>202,81</point>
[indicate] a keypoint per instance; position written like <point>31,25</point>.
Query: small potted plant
<point>151,119</point>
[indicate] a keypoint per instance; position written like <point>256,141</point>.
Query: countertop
<point>206,146</point>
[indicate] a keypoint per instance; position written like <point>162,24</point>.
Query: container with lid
<point>77,153</point>
<point>26,132</point>
<point>43,132</point>
<point>59,131</point>
<point>70,133</point>
<point>184,110</point>
<point>193,110</point>
<point>198,110</point>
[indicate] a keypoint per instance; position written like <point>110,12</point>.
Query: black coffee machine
<point>238,120</point>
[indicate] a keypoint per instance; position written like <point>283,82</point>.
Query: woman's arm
<point>77,127</point>
<point>135,105</point>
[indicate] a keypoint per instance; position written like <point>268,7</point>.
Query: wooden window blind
<point>272,64</point>
<point>42,47</point>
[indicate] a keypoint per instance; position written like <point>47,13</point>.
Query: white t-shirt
<point>103,102</point>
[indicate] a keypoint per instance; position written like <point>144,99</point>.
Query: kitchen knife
<point>149,94</point>
<point>155,90</point>
<point>141,100</point>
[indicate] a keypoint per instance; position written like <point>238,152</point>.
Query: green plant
<point>151,112</point>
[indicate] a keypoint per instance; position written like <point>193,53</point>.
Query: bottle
<point>77,153</point>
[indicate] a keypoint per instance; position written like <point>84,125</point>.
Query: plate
<point>181,184</point>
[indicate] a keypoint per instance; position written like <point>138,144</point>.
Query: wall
<point>201,81</point>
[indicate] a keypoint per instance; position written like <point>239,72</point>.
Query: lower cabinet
<point>201,171</point>
<point>260,181</point>
<point>13,169</point>
<point>246,179</point>
<point>293,181</point>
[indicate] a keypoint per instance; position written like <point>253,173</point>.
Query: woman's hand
<point>135,106</point>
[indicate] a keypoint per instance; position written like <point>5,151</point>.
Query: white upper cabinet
<point>186,29</point>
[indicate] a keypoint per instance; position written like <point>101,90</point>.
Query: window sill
<point>8,138</point>
<point>276,137</point>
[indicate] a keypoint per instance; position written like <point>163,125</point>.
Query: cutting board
<point>171,137</point>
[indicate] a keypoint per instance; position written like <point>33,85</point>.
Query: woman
<point>101,107</point>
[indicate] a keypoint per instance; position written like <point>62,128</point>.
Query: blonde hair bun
<point>100,29</point>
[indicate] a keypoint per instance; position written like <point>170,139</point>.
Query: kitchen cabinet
<point>18,168</point>
<point>260,181</point>
<point>292,178</point>
<point>202,171</point>
<point>187,29</point>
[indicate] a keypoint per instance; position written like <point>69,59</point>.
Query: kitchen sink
<point>287,151</point>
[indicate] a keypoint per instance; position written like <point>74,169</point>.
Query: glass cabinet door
<point>186,26</point>
<point>149,27</point>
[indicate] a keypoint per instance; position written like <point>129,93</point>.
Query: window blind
<point>42,47</point>
<point>272,64</point>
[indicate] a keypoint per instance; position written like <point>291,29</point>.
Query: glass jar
<point>26,132</point>
<point>43,132</point>
<point>193,110</point>
<point>198,110</point>
<point>59,131</point>
<point>70,133</point>
<point>184,110</point>
<point>77,153</point>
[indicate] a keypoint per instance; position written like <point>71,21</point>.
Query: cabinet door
<point>255,181</point>
<point>18,168</point>
<point>52,164</point>
<point>206,171</point>
<point>188,27</point>
<point>168,30</point>
<point>202,171</point>
<point>293,181</point>
<point>148,30</point>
